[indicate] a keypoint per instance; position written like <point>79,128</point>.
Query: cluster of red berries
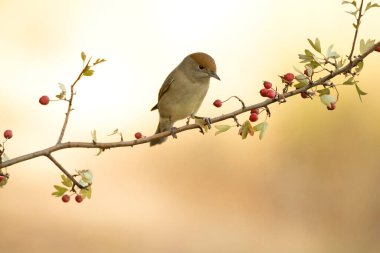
<point>66,198</point>
<point>254,116</point>
<point>267,91</point>
<point>8,134</point>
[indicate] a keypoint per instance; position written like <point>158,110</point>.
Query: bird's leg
<point>207,120</point>
<point>173,129</point>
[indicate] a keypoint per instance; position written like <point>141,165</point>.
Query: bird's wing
<point>164,88</point>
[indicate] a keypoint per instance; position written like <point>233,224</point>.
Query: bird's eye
<point>201,66</point>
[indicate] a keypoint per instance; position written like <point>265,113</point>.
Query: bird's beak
<point>214,75</point>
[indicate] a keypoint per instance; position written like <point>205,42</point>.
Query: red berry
<point>78,198</point>
<point>44,100</point>
<point>304,95</point>
<point>8,134</point>
<point>377,49</point>
<point>271,94</point>
<point>255,110</point>
<point>253,117</point>
<point>65,198</point>
<point>1,178</point>
<point>289,77</point>
<point>218,103</point>
<point>264,92</point>
<point>267,85</point>
<point>331,107</point>
<point>138,135</point>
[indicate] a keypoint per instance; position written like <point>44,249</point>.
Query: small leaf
<point>88,72</point>
<point>299,85</point>
<point>360,92</point>
<point>262,127</point>
<point>324,91</point>
<point>349,81</point>
<point>222,128</point>
<point>366,45</point>
<point>60,190</point>
<point>359,67</point>
<point>93,135</point>
<point>332,54</point>
<point>116,131</point>
<point>86,193</point>
<point>246,129</point>
<point>327,99</point>
<point>66,181</point>
<point>83,56</point>
<point>99,61</point>
<point>316,45</point>
<point>61,95</point>
<point>371,5</point>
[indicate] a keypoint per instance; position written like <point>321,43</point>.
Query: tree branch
<point>69,108</point>
<point>232,115</point>
<point>356,30</point>
<point>64,171</point>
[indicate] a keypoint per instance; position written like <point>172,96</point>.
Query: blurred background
<point>311,185</point>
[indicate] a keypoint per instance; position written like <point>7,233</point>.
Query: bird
<point>183,91</point>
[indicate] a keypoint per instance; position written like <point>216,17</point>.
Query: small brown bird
<point>183,91</point>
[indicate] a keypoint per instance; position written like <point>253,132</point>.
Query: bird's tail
<point>160,128</point>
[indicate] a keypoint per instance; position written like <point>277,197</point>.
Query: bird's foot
<point>173,131</point>
<point>208,122</point>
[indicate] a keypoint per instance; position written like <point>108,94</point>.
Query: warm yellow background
<point>311,185</point>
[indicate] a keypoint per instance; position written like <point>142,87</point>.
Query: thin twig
<point>69,107</point>
<point>356,31</point>
<point>75,182</point>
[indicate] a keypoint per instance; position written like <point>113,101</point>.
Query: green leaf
<point>83,56</point>
<point>350,2</point>
<point>371,5</point>
<point>316,45</point>
<point>262,128</point>
<point>350,81</point>
<point>61,95</point>
<point>327,99</point>
<point>222,128</point>
<point>332,54</point>
<point>366,45</point>
<point>246,129</point>
<point>299,85</point>
<point>360,92</point>
<point>86,193</point>
<point>359,67</point>
<point>66,181</point>
<point>100,60</point>
<point>60,190</point>
<point>324,91</point>
<point>88,72</point>
<point>116,131</point>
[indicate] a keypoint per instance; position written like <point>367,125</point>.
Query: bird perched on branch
<point>183,91</point>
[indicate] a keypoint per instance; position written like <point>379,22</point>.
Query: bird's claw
<point>173,131</point>
<point>208,122</point>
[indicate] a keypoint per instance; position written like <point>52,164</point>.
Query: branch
<point>356,30</point>
<point>69,108</point>
<point>232,115</point>
<point>64,171</point>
